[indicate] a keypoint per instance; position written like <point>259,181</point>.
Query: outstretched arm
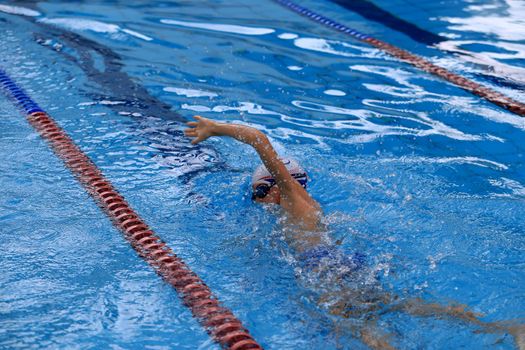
<point>204,128</point>
<point>294,198</point>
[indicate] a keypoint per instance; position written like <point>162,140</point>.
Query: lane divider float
<point>419,62</point>
<point>218,320</point>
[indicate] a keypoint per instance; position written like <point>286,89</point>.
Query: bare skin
<point>301,209</point>
<point>369,307</point>
<point>305,213</point>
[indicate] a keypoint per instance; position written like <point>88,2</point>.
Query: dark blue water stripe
<point>323,20</point>
<point>23,100</point>
<point>370,11</point>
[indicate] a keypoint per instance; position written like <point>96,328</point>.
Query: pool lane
<point>218,320</point>
<point>491,95</point>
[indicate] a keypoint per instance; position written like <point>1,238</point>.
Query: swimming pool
<point>421,176</point>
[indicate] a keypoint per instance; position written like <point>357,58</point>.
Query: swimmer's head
<point>264,185</point>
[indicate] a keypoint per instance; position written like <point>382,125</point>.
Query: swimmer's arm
<point>204,128</point>
<point>302,208</point>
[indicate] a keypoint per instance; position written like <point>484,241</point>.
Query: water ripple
<point>338,48</point>
<point>371,121</point>
<point>82,24</point>
<point>224,28</point>
<point>19,10</point>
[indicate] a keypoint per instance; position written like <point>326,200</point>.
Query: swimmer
<point>277,181</point>
<point>283,182</point>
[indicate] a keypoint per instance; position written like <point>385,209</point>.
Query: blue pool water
<point>424,178</point>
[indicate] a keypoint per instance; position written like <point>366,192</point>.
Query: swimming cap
<point>261,175</point>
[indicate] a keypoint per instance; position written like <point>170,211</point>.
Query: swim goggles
<point>263,189</point>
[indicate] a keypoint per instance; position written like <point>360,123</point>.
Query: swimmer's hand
<point>200,130</point>
<point>203,129</point>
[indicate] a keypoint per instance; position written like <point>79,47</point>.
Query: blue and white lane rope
<point>303,11</point>
<point>469,85</point>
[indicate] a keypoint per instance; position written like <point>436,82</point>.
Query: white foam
<point>195,108</point>
<point>333,92</point>
<point>504,20</point>
<point>190,92</point>
<point>18,10</point>
<point>103,102</point>
<point>247,107</point>
<point>491,60</point>
<point>82,24</point>
<point>92,25</point>
<point>288,36</point>
<point>482,7</point>
<point>111,103</point>
<point>137,34</point>
<point>334,47</point>
<point>416,93</point>
<point>225,28</point>
<point>365,120</point>
<point>484,163</point>
<point>515,187</point>
<point>86,104</point>
<point>401,76</point>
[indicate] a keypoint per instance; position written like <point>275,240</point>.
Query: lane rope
<point>218,320</point>
<point>419,62</point>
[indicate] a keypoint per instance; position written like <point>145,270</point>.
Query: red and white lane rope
<point>218,320</point>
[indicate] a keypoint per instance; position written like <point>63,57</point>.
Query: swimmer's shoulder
<point>306,213</point>
<point>301,208</point>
